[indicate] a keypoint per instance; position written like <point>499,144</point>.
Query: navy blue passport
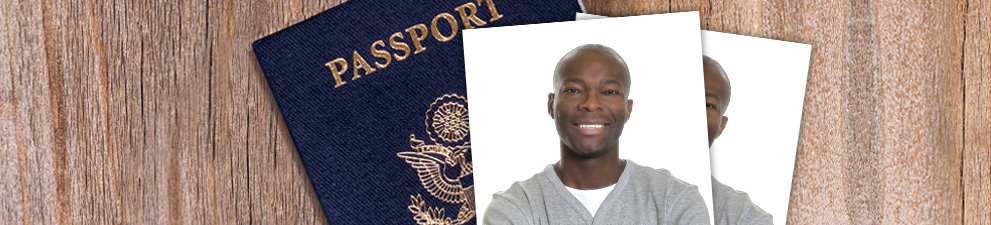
<point>373,94</point>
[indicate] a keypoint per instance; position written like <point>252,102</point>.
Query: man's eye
<point>612,92</point>
<point>707,105</point>
<point>571,90</point>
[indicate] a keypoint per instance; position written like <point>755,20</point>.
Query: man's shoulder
<point>665,188</point>
<point>513,205</point>
<point>675,201</point>
<point>728,195</point>
<point>521,190</point>
<point>723,190</point>
<point>659,177</point>
<point>735,207</point>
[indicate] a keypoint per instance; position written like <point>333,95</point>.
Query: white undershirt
<point>591,198</point>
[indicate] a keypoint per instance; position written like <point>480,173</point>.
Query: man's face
<point>590,104</point>
<point>716,95</point>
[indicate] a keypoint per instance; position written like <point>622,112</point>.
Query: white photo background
<point>509,74</point>
<point>756,151</point>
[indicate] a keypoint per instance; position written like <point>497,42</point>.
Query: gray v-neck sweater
<point>641,196</point>
<point>732,207</point>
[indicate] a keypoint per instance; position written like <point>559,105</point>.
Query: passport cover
<point>373,95</point>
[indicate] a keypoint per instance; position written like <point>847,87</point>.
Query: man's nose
<point>590,103</point>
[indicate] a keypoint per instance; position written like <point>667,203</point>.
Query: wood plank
<point>91,184</point>
<point>919,59</point>
<point>862,106</point>
<point>159,188</point>
<point>737,17</point>
<point>122,48</point>
<point>977,113</point>
<point>274,188</point>
<point>283,193</point>
<point>229,111</point>
<point>192,81</point>
<point>31,102</point>
<point>703,6</point>
<point>627,8</point>
<point>12,208</point>
<point>270,190</point>
<point>819,186</point>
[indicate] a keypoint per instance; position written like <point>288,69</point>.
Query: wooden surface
<point>155,112</point>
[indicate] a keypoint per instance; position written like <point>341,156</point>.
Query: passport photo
<point>592,120</point>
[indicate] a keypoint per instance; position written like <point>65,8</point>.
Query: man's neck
<point>590,173</point>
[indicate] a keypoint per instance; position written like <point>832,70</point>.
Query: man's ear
<point>550,105</point>
<point>722,126</point>
<point>629,109</point>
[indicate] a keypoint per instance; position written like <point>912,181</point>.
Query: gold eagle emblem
<point>447,125</point>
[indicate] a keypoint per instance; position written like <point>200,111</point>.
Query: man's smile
<point>591,128</point>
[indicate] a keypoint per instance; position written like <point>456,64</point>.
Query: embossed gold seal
<point>446,123</point>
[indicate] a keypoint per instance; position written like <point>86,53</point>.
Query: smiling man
<point>591,184</point>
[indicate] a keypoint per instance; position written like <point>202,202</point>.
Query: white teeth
<point>594,126</point>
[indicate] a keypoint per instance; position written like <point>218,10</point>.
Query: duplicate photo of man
<point>730,206</point>
<point>753,139</point>
<point>584,123</point>
<point>752,158</point>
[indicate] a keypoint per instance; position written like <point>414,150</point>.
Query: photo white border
<point>760,160</point>
<point>756,151</point>
<point>509,74</point>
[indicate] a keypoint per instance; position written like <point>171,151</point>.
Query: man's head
<point>590,102</point>
<point>717,95</point>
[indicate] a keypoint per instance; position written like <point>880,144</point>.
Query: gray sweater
<point>641,196</point>
<point>732,207</point>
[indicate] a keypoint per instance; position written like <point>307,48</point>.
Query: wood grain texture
<point>145,112</point>
<point>977,113</point>
<point>152,112</point>
<point>29,99</point>
<point>882,133</point>
<point>920,57</point>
